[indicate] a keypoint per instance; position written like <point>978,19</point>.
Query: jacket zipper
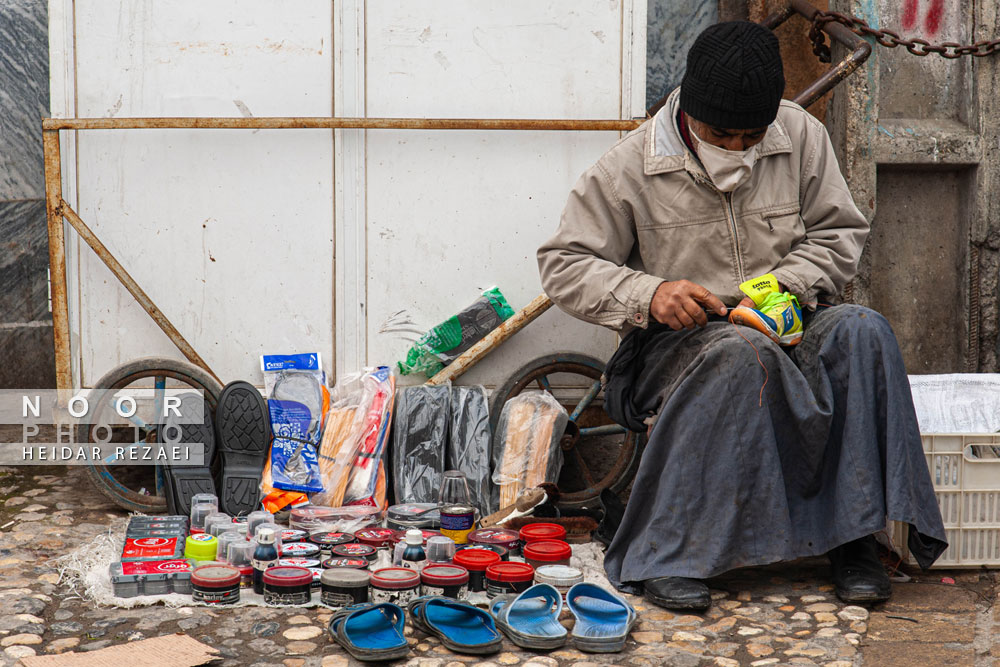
<point>731,215</point>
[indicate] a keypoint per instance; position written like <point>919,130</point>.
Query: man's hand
<point>679,305</point>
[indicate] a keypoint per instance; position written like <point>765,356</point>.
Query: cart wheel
<point>599,454</point>
<point>137,488</point>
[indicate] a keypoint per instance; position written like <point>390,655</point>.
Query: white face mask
<point>727,169</point>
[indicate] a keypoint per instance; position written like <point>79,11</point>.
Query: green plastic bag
<point>444,343</point>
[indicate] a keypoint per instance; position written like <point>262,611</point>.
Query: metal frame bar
<point>57,210</point>
<point>858,50</point>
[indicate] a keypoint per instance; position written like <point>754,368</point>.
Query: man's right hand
<point>680,304</point>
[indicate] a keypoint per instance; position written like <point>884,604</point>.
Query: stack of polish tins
<point>215,556</point>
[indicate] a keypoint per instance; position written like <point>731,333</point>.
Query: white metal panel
<point>229,232</point>
<point>448,214</point>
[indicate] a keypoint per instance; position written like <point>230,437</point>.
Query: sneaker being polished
<point>775,314</point>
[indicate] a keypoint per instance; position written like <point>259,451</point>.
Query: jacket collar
<point>665,149</point>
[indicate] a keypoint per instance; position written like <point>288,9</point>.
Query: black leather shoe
<point>858,574</point>
<point>678,593</point>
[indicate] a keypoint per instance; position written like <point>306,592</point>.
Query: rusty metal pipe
<point>471,357</point>
<point>57,259</point>
<point>133,287</point>
<point>324,123</point>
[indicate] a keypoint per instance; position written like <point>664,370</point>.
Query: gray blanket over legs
<point>735,477</point>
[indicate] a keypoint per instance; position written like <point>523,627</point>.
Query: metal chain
<point>887,38</point>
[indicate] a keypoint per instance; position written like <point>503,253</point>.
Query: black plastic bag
<point>469,442</point>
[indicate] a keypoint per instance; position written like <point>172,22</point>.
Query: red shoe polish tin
<point>476,561</point>
<point>216,584</point>
<point>501,537</point>
<point>376,537</point>
<point>541,531</point>
<point>507,578</point>
<point>547,552</point>
<point>450,581</point>
<point>495,548</point>
<point>326,540</point>
<point>352,563</point>
<point>398,585</point>
<point>355,550</point>
<point>284,585</point>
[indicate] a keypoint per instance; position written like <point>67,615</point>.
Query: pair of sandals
<point>374,632</point>
<point>531,619</point>
<point>239,430</point>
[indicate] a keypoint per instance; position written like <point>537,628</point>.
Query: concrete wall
<point>918,137</point>
<point>25,323</point>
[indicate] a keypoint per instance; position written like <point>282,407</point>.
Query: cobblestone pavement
<point>779,615</point>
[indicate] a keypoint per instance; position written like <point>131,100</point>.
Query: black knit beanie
<point>734,79</point>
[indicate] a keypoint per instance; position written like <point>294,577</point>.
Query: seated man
<point>767,442</point>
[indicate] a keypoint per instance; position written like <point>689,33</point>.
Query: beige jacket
<point>647,212</point>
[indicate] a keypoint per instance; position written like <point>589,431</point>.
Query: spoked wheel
<point>598,453</point>
<point>138,488</point>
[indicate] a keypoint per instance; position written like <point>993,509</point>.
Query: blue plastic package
<point>296,400</point>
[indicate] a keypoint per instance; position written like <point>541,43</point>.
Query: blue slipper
<point>460,626</point>
<point>603,619</point>
<point>531,619</point>
<point>371,632</point>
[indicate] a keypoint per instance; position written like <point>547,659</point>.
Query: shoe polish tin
<point>216,584</point>
<point>284,585</point>
<point>300,550</point>
<point>343,586</point>
<point>457,521</point>
<point>476,561</point>
<point>327,540</point>
<point>355,550</point>
<point>508,539</point>
<point>398,585</point>
<point>290,535</point>
<point>508,578</point>
<point>299,562</point>
<point>560,577</point>
<point>407,515</point>
<point>450,581</point>
<point>352,563</point>
<point>376,537</point>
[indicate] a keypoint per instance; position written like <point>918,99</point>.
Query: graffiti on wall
<point>923,15</point>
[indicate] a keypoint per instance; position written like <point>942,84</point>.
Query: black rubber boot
<point>678,593</point>
<point>858,575</point>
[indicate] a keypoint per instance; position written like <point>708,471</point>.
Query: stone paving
<point>779,615</point>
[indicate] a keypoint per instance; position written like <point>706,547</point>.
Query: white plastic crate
<point>965,471</point>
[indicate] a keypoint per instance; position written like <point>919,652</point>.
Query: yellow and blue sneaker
<point>776,314</point>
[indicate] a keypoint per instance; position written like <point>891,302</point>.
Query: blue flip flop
<point>603,619</point>
<point>460,626</point>
<point>531,619</point>
<point>371,632</point>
